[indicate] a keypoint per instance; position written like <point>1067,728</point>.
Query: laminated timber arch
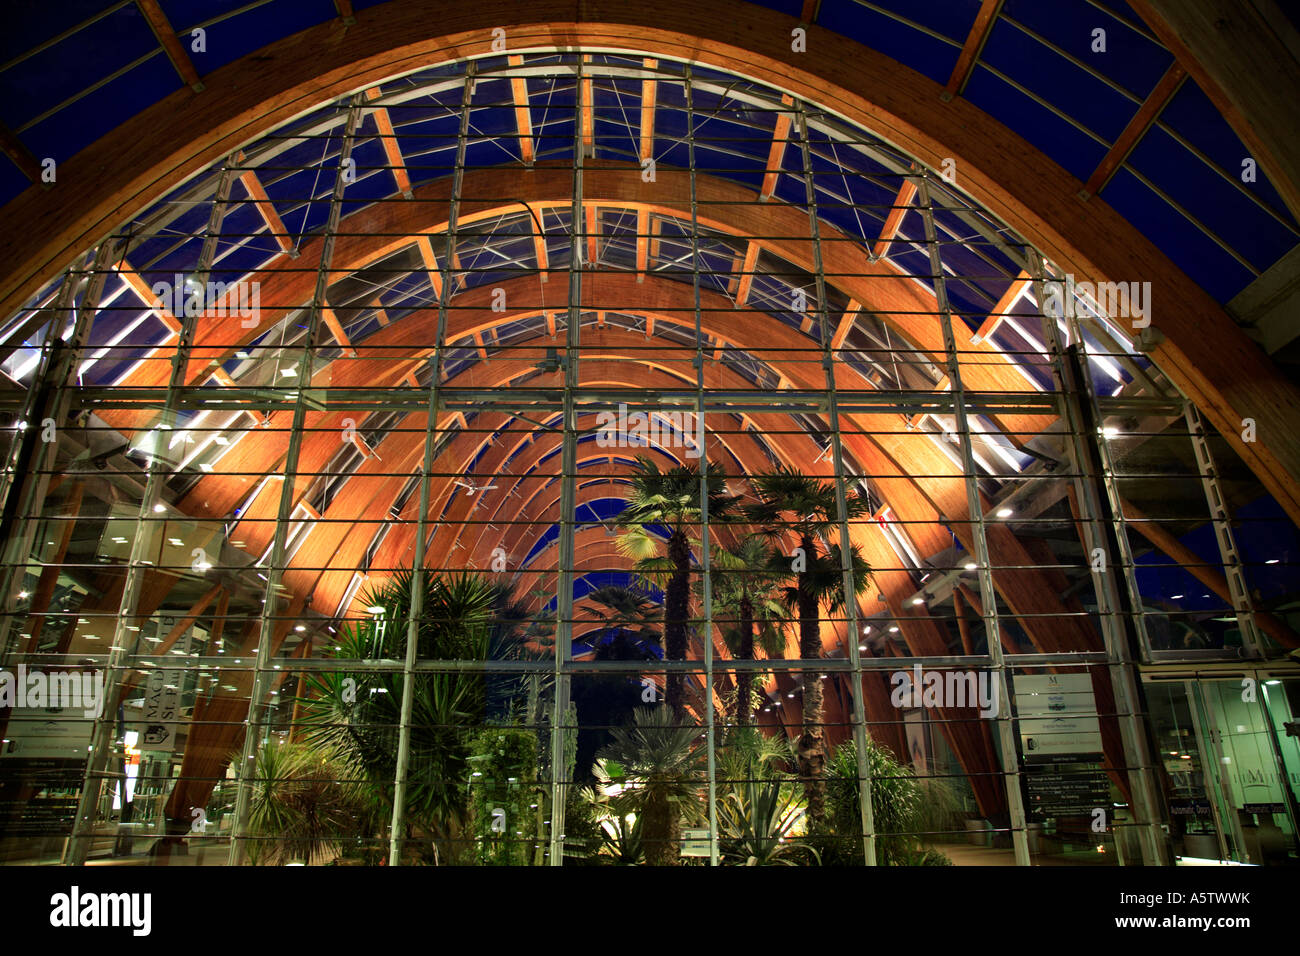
<point>1198,346</point>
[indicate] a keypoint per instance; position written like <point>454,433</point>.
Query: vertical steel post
<point>866,810</point>
<point>142,543</point>
<point>1110,600</point>
<point>1252,641</point>
<point>416,609</point>
<point>705,566</point>
<point>275,568</point>
<point>568,492</point>
<point>975,508</point>
<point>28,468</point>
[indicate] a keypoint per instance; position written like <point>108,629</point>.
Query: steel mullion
<point>56,363</point>
<point>142,544</point>
<point>705,565</point>
<point>400,780</point>
<point>1109,609</point>
<point>568,495</point>
<point>275,568</point>
<point>1006,740</point>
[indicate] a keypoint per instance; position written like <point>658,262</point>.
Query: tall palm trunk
<point>676,609</point>
<point>745,652</point>
<point>812,744</point>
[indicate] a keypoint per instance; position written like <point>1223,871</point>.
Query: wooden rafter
<point>1202,351</point>
<point>642,243</point>
<point>648,91</point>
<point>1002,309</point>
<point>1237,54</point>
<point>906,193</point>
<point>523,116</point>
<point>388,139</point>
<point>970,51</point>
<point>162,30</point>
<point>141,289</point>
<point>23,158</point>
<point>430,265</point>
<point>746,274</point>
<point>336,329</point>
<point>776,155</point>
<point>266,209</point>
<point>539,247</point>
<point>593,233</point>
<point>1137,127</point>
<point>587,95</point>
<point>845,324</point>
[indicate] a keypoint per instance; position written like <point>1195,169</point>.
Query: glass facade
<point>570,458</point>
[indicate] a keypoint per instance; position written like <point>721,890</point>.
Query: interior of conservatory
<point>810,434</point>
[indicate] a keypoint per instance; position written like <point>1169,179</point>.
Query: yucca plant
<point>306,802</point>
<point>755,824</point>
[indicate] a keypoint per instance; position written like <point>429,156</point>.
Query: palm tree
<point>657,765</point>
<point>790,501</point>
<point>356,713</point>
<point>670,499</point>
<point>744,592</point>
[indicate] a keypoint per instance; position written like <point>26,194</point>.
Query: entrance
<point>1228,748</point>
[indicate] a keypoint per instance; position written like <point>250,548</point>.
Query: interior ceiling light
<point>1005,512</point>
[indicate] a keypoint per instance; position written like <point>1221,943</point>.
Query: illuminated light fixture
<point>159,509</point>
<point>893,630</point>
<point>375,609</point>
<point>299,628</point>
<point>222,440</point>
<point>1272,683</point>
<point>205,466</point>
<point>971,565</point>
<point>918,600</point>
<point>176,542</point>
<point>1176,597</point>
<point>867,629</point>
<point>22,595</point>
<point>1005,512</point>
<point>1110,431</point>
<point>791,694</point>
<point>289,372</point>
<point>824,676</point>
<point>1271,561</point>
<point>862,647</point>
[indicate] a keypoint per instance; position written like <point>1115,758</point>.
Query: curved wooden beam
<point>1199,347</point>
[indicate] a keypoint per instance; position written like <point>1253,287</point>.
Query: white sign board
<point>1057,717</point>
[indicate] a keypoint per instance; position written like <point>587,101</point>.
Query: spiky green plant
<point>306,803</point>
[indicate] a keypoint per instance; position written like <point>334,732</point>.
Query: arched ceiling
<point>386,280</point>
<point>1016,95</point>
